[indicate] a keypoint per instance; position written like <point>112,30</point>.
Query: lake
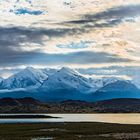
<point>108,118</point>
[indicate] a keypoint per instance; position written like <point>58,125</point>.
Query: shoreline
<point>77,118</point>
<point>26,116</point>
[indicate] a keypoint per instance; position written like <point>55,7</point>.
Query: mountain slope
<point>23,79</point>
<point>18,102</point>
<point>1,80</point>
<point>64,84</point>
<point>99,83</point>
<point>66,79</point>
<point>118,89</point>
<point>22,105</point>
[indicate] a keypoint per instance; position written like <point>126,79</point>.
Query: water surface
<point>109,118</point>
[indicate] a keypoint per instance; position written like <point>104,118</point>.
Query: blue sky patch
<point>27,11</point>
<point>78,45</point>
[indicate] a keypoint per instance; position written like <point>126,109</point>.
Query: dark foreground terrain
<point>30,105</point>
<point>69,131</point>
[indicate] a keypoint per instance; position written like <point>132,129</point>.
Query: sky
<point>96,37</point>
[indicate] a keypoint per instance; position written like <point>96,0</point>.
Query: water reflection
<point>110,118</point>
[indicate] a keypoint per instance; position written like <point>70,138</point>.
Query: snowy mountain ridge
<point>23,79</point>
<point>63,84</point>
<point>46,78</point>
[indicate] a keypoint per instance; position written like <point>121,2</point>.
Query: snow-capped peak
<point>66,78</point>
<point>25,78</point>
<point>109,80</point>
<point>49,71</point>
<point>55,79</point>
<point>63,83</point>
<point>67,70</point>
<point>101,82</point>
<point>32,73</point>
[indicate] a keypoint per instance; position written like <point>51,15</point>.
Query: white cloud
<point>51,22</point>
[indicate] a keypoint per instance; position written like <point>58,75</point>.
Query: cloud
<point>16,36</point>
<point>14,40</point>
<point>116,13</point>
<point>109,17</point>
<point>11,57</point>
<point>130,71</point>
<point>60,32</point>
<point>78,45</point>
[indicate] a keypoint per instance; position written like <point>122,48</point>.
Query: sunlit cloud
<point>80,34</point>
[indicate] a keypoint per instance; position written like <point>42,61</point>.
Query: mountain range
<point>65,84</point>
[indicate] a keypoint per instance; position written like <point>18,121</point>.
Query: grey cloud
<point>15,36</point>
<point>11,39</point>
<point>111,17</point>
<point>131,71</point>
<point>112,70</point>
<point>9,57</point>
<point>117,13</point>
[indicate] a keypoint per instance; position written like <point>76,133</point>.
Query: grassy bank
<point>69,131</point>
